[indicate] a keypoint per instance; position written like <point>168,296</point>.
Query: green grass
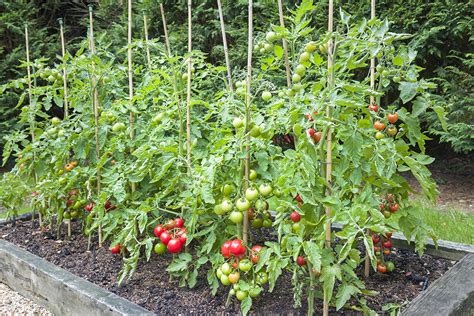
<point>448,224</point>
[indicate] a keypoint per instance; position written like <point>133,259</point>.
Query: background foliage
<point>442,35</point>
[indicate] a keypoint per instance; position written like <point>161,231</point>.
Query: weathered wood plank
<point>452,294</point>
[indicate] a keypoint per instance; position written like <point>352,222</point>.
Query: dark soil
<point>150,286</point>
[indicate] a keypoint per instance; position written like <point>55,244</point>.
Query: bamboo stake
<point>175,88</point>
<point>329,136</point>
<point>63,50</point>
<point>95,105</point>
<point>224,42</point>
<point>245,229</point>
<point>285,46</point>
<point>32,116</point>
<point>130,77</point>
<point>372,99</point>
<point>165,30</point>
<point>188,94</point>
<point>145,26</point>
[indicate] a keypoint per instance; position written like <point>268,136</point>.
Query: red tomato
<point>387,252</point>
<point>381,268</point>
<point>170,224</point>
<point>317,137</point>
<point>388,235</point>
<point>387,244</point>
<point>183,237</point>
<point>392,117</point>
<point>310,132</point>
<point>382,206</point>
<point>225,249</point>
<point>174,245</point>
<point>89,207</point>
<point>375,239</point>
<point>298,198</point>
<point>394,207</point>
<point>254,253</point>
<point>380,126</point>
<point>373,107</point>
<point>237,248</point>
<point>300,261</point>
<point>165,237</point>
<point>158,230</point>
<point>115,249</point>
<point>178,222</point>
<point>376,248</point>
<point>108,205</point>
<point>295,216</point>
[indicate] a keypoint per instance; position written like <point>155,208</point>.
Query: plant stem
<point>63,51</point>
<point>188,89</point>
<point>147,48</point>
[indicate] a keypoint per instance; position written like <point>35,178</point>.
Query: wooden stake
<point>145,26</point>
<point>130,77</point>
<point>32,108</point>
<point>372,99</point>
<point>329,136</point>
<point>224,41</point>
<point>165,30</point>
<point>95,105</point>
<point>285,46</point>
<point>63,50</point>
<point>245,228</point>
<point>188,94</point>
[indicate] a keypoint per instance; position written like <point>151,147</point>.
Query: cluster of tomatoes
<point>229,272</point>
<point>74,204</point>
<point>382,248</point>
<point>389,205</point>
<point>295,217</point>
<point>172,236</point>
<point>253,202</point>
<point>314,135</point>
<point>380,126</point>
<point>70,166</point>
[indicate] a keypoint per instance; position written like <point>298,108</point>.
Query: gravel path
<point>12,303</point>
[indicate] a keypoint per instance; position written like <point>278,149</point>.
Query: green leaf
<point>328,277</point>
<point>314,254</point>
<point>441,117</point>
<point>344,293</point>
<point>407,90</point>
<point>245,305</point>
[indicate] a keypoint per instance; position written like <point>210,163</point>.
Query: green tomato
<point>245,265</point>
<point>281,94</point>
<point>304,57</point>
<point>251,194</point>
<point>267,223</point>
<point>184,76</point>
<point>219,273</point>
<point>296,78</point>
<point>266,95</point>
<point>262,277</point>
<point>241,295</point>
<point>300,70</point>
<point>297,87</point>
<point>257,223</point>
<point>296,227</point>
<point>118,127</point>
<point>242,204</point>
<point>255,131</point>
<point>158,118</point>
<point>255,291</point>
<point>271,37</point>
<point>225,280</point>
<point>238,122</point>
<point>261,205</point>
<point>252,175</point>
<point>227,189</point>
<point>218,209</point>
<point>226,269</point>
<point>310,47</point>
<point>226,206</point>
<point>232,292</point>
<point>390,266</point>
<point>265,189</point>
<point>277,193</point>
<point>61,132</point>
<point>236,217</point>
<point>379,135</point>
<point>55,121</point>
<point>396,79</point>
<point>160,248</point>
<point>268,47</point>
